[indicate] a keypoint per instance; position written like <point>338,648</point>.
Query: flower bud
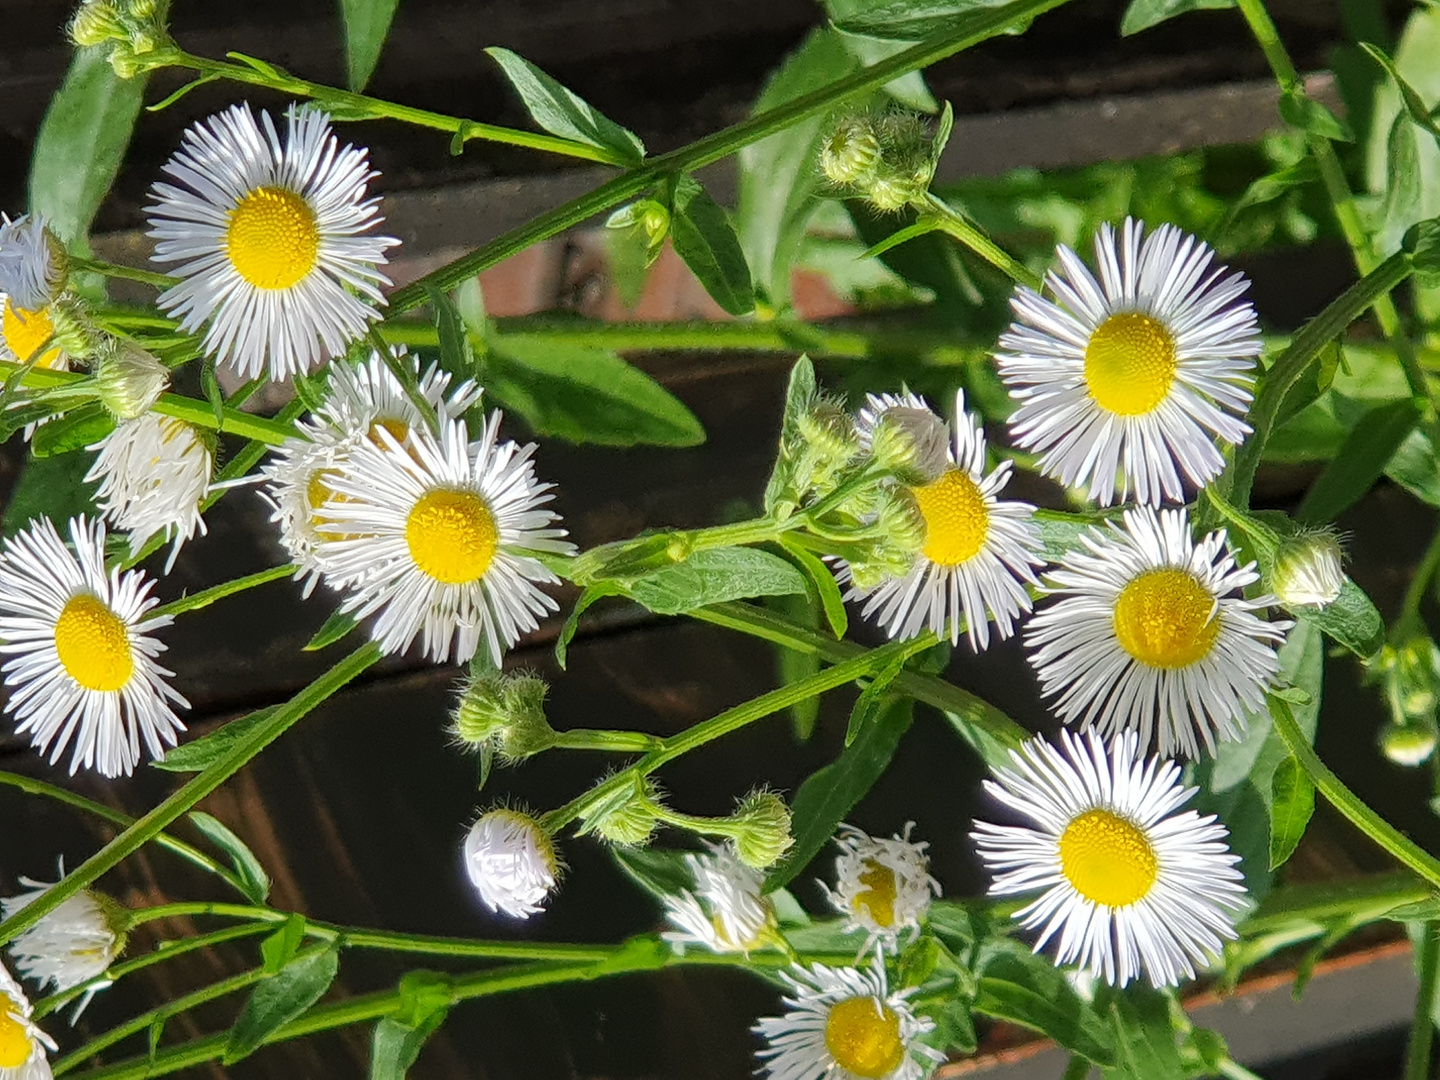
<point>1407,744</point>
<point>829,432</point>
<point>629,819</point>
<point>125,61</point>
<point>848,155</point>
<point>511,862</point>
<point>1307,569</point>
<point>506,710</point>
<point>130,380</point>
<point>914,444</point>
<point>648,223</point>
<point>761,829</point>
<point>899,521</point>
<point>33,262</point>
<point>96,22</point>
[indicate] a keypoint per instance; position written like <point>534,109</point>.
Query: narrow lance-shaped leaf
<point>279,999</point>
<point>366,24</point>
<point>1017,985</point>
<point>827,590</point>
<point>563,113</point>
<point>1292,801</point>
<point>713,577</point>
<point>425,1000</point>
<point>1143,14</point>
<point>253,878</point>
<point>705,239</point>
<point>1415,106</point>
<point>1361,461</point>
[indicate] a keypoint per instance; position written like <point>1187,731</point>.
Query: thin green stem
<point>1409,620</point>
<point>1422,1027</point>
<point>185,908</point>
<point>969,30</point>
<point>127,273</point>
<point>1233,1070</point>
<point>206,597</point>
<point>624,742</point>
<point>152,824</point>
<point>705,826</point>
<point>1405,850</point>
<point>957,226</point>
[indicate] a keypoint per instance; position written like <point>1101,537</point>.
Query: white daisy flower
<point>1129,885</point>
<point>265,233</point>
<point>438,536</point>
<point>154,472</point>
<point>1148,632</point>
<point>882,886</point>
<point>23,1045</point>
<point>511,862</point>
<point>845,1024</point>
<point>74,943</point>
<point>363,397</point>
<point>727,912</point>
<point>82,661</point>
<point>979,550</point>
<point>32,262</point>
<point>1136,373</point>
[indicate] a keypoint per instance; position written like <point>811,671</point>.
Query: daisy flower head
<point>82,658</point>
<point>32,262</point>
<point>23,1045</point>
<point>74,943</point>
<point>1134,374</point>
<point>845,1024</point>
<point>1128,884</point>
<point>267,233</point>
<point>1146,630</point>
<point>727,912</point>
<point>979,551</point>
<point>881,886</point>
<point>511,862</point>
<point>439,536</point>
<point>154,472</point>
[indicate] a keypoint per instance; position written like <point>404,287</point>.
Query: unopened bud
<point>829,432</point>
<point>900,522</point>
<point>124,61</point>
<point>914,444</point>
<point>629,818</point>
<point>75,332</point>
<point>129,379</point>
<point>1307,570</point>
<point>848,155</point>
<point>96,22</point>
<point>511,862</point>
<point>1407,744</point>
<point>761,829</point>
<point>506,710</point>
<point>647,222</point>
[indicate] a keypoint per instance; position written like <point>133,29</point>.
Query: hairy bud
<point>850,153</point>
<point>761,829</point>
<point>629,818</point>
<point>96,22</point>
<point>1307,570</point>
<point>914,444</point>
<point>506,710</point>
<point>129,379</point>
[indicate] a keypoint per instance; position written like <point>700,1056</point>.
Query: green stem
<point>1233,1070</point>
<point>206,597</point>
<point>1405,850</point>
<point>1409,621</point>
<point>705,826</point>
<point>1078,1068</point>
<point>1422,1027</point>
<point>624,742</point>
<point>969,30</point>
<point>462,129</point>
<point>127,273</point>
<point>204,907</point>
<point>153,823</point>
<point>959,227</point>
<point>115,817</point>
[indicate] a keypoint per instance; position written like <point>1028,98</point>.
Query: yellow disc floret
<point>878,896</point>
<point>15,1042</point>
<point>93,644</point>
<point>1166,618</point>
<point>452,535</point>
<point>398,429</point>
<point>272,239</point>
<point>1130,363</point>
<point>26,331</point>
<point>1107,859</point>
<point>863,1036</point>
<point>956,519</point>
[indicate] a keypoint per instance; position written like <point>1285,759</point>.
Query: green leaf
<point>366,24</point>
<point>253,880</point>
<point>425,1002</point>
<point>280,948</point>
<point>1145,1047</point>
<point>793,665</point>
<point>1292,801</point>
<point>1029,990</point>
<point>586,395</point>
<point>53,487</point>
<point>335,628</point>
<point>1361,460</point>
<point>830,793</point>
<point>1143,14</point>
<point>703,236</point>
<point>827,590</point>
<point>201,753</point>
<point>591,594</point>
<point>923,227</point>
<point>1060,532</point>
<point>563,113</point>
<point>1417,911</point>
<point>1310,116</point>
<point>1422,241</point>
<point>1403,189</point>
<point>78,429</point>
<point>873,698</point>
<point>81,143</point>
<point>799,396</point>
<point>1351,620</point>
<point>1414,104</point>
<point>279,999</point>
<point>1268,188</point>
<point>1416,467</point>
<point>1312,383</point>
<point>658,871</point>
<point>910,20</point>
<point>713,577</point>
<point>456,354</point>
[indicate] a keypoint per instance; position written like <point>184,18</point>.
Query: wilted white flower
<point>73,944</point>
<point>727,912</point>
<point>882,887</point>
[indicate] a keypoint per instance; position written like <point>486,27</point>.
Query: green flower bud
<point>96,22</point>
<point>129,379</point>
<point>628,819</point>
<point>124,61</point>
<point>828,430</point>
<point>75,332</point>
<point>1407,744</point>
<point>848,155</point>
<point>506,710</point>
<point>914,444</point>
<point>648,222</point>
<point>900,522</point>
<point>1307,570</point>
<point>761,829</point>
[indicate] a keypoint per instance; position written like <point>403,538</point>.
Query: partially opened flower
<point>882,886</point>
<point>511,862</point>
<point>727,911</point>
<point>1128,884</point>
<point>74,943</point>
<point>267,234</point>
<point>438,538</point>
<point>32,276</point>
<point>978,553</point>
<point>22,1043</point>
<point>1124,383</point>
<point>845,1024</point>
<point>82,659</point>
<point>1147,630</point>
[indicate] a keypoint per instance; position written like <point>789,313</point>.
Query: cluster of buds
<point>505,711</point>
<point>1409,678</point>
<point>887,157</point>
<point>132,28</point>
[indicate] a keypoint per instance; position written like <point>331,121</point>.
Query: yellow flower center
<point>272,239</point>
<point>93,644</point>
<point>452,535</point>
<point>1108,860</point>
<point>397,428</point>
<point>1130,363</point>
<point>878,896</point>
<point>1166,618</point>
<point>26,331</point>
<point>14,1038</point>
<point>863,1036</point>
<point>956,520</point>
